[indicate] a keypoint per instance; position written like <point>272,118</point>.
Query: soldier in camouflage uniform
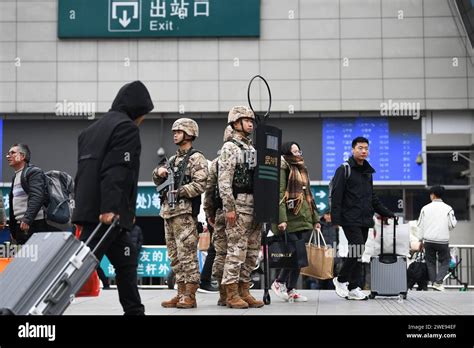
<point>235,180</point>
<point>215,217</point>
<point>181,220</point>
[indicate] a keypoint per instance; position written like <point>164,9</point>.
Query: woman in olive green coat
<point>298,214</point>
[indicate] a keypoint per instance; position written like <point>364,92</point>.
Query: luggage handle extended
<point>114,224</point>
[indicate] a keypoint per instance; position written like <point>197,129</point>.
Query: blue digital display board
<point>393,148</point>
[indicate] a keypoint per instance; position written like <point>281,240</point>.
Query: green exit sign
<point>158,18</point>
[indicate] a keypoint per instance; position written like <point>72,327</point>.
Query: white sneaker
<point>280,290</point>
<point>341,288</point>
<point>438,286</point>
<point>294,296</point>
<point>357,294</point>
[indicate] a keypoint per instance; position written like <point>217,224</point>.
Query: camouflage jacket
<point>197,170</point>
<point>208,204</point>
<point>231,155</point>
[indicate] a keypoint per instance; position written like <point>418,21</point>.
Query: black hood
<point>133,99</point>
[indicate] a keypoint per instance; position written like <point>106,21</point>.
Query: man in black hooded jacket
<point>106,185</point>
<point>353,202</point>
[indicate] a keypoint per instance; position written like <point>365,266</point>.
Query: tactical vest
<point>243,175</point>
<point>178,171</point>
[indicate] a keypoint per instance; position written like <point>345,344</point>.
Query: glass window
<point>415,199</point>
<point>391,198</point>
<point>443,170</point>
<point>418,198</point>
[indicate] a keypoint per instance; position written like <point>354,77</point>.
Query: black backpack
<point>347,174</point>
<point>60,189</point>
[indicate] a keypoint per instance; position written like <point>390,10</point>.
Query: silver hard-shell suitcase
<point>48,271</point>
<point>388,272</point>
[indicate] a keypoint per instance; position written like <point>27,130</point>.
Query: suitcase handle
<point>60,288</point>
<point>395,223</point>
<point>114,224</point>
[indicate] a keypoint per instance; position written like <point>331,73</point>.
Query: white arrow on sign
<point>124,21</point>
<point>321,206</point>
<point>321,194</point>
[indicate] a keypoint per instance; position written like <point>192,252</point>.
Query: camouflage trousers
<point>181,240</point>
<point>243,245</point>
<point>219,239</point>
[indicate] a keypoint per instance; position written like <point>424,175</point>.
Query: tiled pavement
<point>320,302</point>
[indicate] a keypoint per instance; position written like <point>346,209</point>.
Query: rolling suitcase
<point>388,272</point>
<point>48,271</point>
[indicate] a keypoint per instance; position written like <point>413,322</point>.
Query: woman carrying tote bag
<point>298,214</point>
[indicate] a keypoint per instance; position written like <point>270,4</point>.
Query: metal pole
<point>266,293</point>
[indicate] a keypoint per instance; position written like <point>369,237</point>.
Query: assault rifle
<point>171,194</point>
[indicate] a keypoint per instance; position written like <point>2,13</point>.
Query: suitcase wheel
<point>372,295</point>
<point>404,295</point>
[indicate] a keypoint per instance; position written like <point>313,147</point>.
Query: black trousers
<point>37,226</point>
<point>102,277</point>
<point>207,267</point>
<point>351,270</point>
<point>437,252</point>
<point>123,255</point>
<point>290,276</point>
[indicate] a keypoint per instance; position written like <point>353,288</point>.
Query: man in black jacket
<point>353,202</point>
<point>27,195</point>
<point>106,185</point>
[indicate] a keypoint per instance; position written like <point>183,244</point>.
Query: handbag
<point>417,272</point>
<point>284,253</point>
<point>320,259</point>
<point>91,288</point>
<point>204,241</point>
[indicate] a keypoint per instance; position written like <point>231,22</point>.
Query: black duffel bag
<point>285,251</point>
<point>417,272</point>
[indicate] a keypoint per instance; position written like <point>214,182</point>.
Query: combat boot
<point>247,297</point>
<point>188,300</point>
<point>174,301</point>
<point>233,298</point>
<point>222,296</point>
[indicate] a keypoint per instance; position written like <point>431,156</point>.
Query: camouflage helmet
<point>190,127</point>
<point>238,112</point>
